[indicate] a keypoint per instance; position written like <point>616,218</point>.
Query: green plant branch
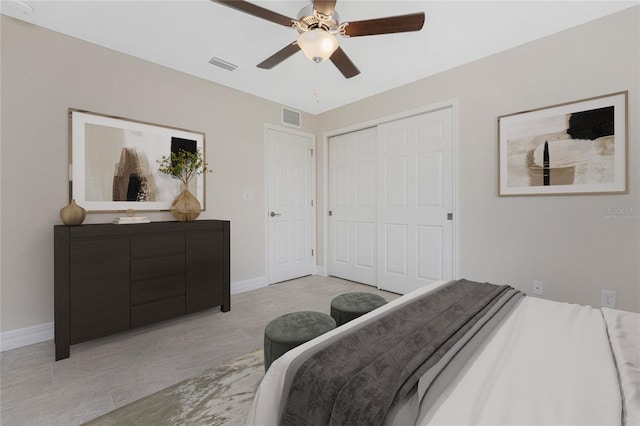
<point>183,165</point>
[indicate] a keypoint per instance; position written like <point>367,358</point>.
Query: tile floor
<point>107,373</point>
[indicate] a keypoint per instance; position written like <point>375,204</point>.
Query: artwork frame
<point>573,148</point>
<point>113,163</point>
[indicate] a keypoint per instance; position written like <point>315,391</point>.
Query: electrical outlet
<point>608,298</point>
<point>538,287</point>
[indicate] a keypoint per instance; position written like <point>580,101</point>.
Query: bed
<point>519,360</point>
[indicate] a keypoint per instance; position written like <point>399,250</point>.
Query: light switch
<point>248,195</point>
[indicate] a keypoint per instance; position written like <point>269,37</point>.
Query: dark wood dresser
<point>109,278</point>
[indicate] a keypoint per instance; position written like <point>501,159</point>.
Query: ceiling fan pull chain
<point>315,86</point>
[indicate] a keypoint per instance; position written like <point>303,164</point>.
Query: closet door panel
<point>415,166</point>
<point>352,202</point>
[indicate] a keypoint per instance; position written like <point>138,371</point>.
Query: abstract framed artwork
<point>114,163</point>
<point>573,148</point>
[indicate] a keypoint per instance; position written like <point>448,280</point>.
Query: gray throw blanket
<point>356,379</point>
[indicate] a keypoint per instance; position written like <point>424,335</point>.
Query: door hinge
<point>449,216</point>
<point>311,150</point>
<point>330,213</point>
<point>311,252</point>
<point>311,203</point>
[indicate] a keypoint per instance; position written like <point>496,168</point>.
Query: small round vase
<point>186,207</point>
<point>72,214</point>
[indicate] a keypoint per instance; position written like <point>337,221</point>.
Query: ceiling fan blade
<point>279,56</point>
<point>391,24</point>
<point>344,64</point>
<point>326,7</point>
<point>260,12</point>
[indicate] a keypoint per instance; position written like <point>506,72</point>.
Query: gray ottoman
<point>350,306</point>
<point>290,330</point>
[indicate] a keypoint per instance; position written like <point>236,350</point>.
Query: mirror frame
<point>93,175</point>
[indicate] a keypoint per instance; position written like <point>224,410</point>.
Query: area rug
<point>219,396</point>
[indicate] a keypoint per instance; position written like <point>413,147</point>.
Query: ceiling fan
<point>318,25</point>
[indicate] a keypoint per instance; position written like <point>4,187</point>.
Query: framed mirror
<point>114,163</point>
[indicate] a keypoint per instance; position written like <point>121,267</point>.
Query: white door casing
<point>290,225</point>
<point>352,203</point>
<point>415,195</point>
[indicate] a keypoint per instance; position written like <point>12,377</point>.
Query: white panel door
<point>290,210</point>
<point>352,202</point>
<point>415,190</point>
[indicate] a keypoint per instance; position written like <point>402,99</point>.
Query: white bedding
<point>624,333</point>
<point>547,363</point>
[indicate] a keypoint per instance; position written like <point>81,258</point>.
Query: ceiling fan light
<point>318,45</point>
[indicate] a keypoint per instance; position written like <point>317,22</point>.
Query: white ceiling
<point>185,35</point>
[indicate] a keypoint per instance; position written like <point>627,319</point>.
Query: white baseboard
<point>40,333</point>
<point>247,285</point>
<point>26,336</point>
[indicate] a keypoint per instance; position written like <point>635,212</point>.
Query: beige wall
<point>43,74</point>
<point>564,241</point>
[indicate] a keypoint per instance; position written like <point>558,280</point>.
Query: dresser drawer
<point>160,288</point>
<point>157,245</point>
<point>155,267</point>
<point>157,311</point>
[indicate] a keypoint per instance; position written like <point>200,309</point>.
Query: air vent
<point>223,64</point>
<point>290,117</point>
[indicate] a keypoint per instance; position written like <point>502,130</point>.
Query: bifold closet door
<point>352,206</point>
<point>415,191</point>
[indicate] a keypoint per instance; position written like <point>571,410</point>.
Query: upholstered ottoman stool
<point>350,306</point>
<point>290,330</point>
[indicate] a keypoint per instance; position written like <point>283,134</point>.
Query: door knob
<point>272,214</point>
